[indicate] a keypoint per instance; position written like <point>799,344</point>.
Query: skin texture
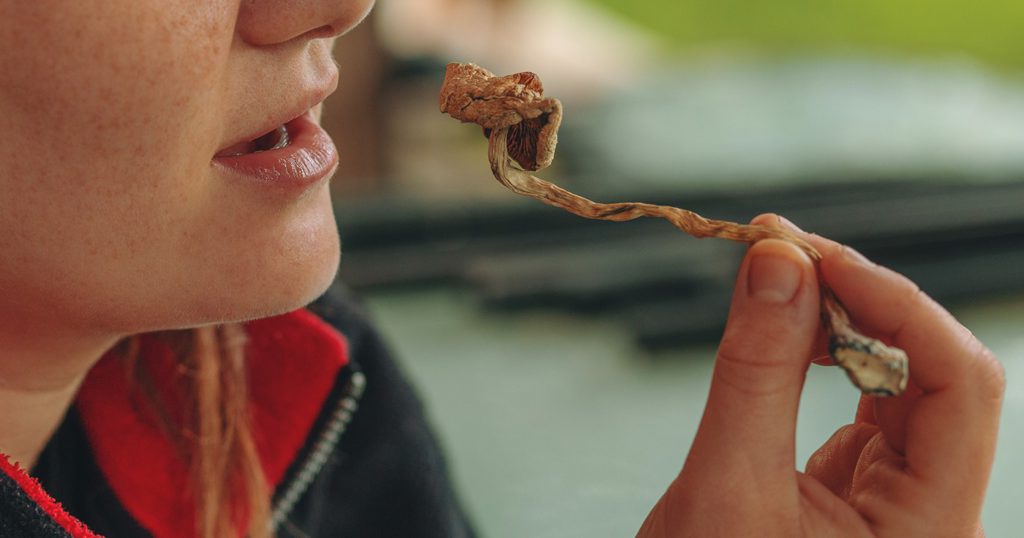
<point>112,219</point>
<point>916,465</point>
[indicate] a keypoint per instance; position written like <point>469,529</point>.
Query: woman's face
<point>130,199</point>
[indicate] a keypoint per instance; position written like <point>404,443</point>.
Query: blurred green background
<point>987,30</point>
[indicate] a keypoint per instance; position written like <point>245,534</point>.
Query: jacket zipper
<point>322,448</point>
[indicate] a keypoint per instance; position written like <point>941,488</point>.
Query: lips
<point>297,154</point>
<point>288,148</point>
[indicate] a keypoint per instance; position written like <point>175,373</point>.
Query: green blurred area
<point>989,30</point>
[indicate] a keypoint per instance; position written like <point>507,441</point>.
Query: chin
<point>292,286</point>
<point>274,291</point>
<point>275,270</point>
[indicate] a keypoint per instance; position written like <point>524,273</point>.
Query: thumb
<point>749,422</point>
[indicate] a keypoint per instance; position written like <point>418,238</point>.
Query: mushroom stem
<point>872,366</point>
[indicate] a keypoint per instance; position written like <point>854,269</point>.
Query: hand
<point>914,465</point>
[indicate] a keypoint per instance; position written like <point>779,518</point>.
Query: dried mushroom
<point>515,103</point>
<point>522,127</point>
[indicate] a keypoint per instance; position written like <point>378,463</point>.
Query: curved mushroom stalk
<point>522,127</point>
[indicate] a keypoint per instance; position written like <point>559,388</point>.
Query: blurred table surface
<point>557,425</point>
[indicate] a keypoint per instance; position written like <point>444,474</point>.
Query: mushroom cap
<point>515,102</point>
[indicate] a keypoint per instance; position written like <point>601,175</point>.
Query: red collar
<point>293,361</point>
<point>36,494</point>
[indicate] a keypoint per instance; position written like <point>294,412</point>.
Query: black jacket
<point>369,467</point>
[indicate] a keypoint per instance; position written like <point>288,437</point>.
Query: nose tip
<point>270,22</point>
<point>326,31</point>
<point>329,31</point>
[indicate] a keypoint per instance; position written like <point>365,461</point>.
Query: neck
<point>26,431</point>
<point>40,372</point>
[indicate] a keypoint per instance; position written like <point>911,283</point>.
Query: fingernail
<point>773,279</point>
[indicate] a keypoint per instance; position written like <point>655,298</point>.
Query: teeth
<point>281,134</point>
<point>276,139</point>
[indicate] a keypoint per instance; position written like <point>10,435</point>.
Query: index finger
<point>951,428</point>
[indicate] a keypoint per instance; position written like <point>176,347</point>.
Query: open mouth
<point>275,139</point>
<point>298,153</point>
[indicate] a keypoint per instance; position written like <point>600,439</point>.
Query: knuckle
<point>747,375</point>
<point>747,353</point>
<point>823,456</point>
<point>988,372</point>
<point>842,449</point>
<point>993,373</point>
<point>910,297</point>
<point>914,304</point>
<point>903,299</point>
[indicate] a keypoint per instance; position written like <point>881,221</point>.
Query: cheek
<point>111,66</point>
<point>107,99</point>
